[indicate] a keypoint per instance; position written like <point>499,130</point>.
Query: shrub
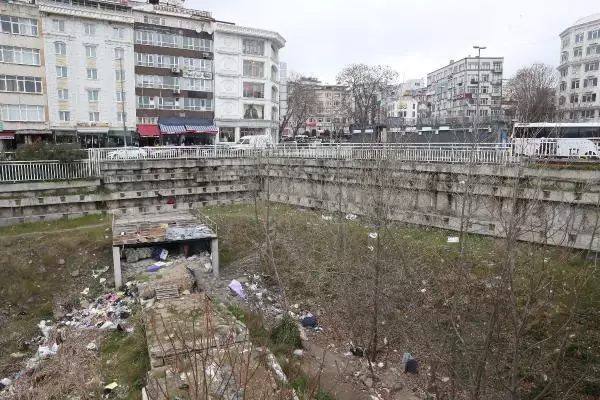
<point>46,151</point>
<point>285,334</point>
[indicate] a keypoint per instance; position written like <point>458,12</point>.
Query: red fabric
<point>148,130</point>
<point>311,124</point>
<point>7,135</point>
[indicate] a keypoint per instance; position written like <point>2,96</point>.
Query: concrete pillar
<point>117,266</point>
<point>214,255</point>
<point>237,133</point>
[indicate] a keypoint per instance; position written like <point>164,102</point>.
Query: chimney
<point>451,61</point>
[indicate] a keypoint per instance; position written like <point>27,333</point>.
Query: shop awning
<point>172,129</point>
<point>209,128</point>
<point>7,135</point>
<point>92,130</point>
<point>34,132</point>
<point>148,130</point>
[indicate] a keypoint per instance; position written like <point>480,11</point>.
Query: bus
<point>556,139</point>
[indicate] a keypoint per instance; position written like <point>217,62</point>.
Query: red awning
<point>148,130</point>
<point>311,123</point>
<point>7,135</point>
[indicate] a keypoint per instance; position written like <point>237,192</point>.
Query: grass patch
<point>49,226</point>
<point>285,335</point>
<point>129,361</point>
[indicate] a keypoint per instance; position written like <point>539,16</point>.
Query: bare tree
<point>532,91</point>
<point>301,102</point>
<point>367,85</point>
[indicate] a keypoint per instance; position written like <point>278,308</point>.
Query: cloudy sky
<point>413,37</point>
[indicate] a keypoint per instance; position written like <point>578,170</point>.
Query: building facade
<point>454,91</point>
<point>23,105</point>
<point>579,70</point>
<point>174,74</point>
<point>89,64</point>
<point>246,81</point>
<point>331,113</point>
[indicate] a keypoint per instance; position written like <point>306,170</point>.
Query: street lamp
<point>476,120</point>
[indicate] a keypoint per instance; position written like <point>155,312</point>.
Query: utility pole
<point>123,113</point>
<point>476,119</point>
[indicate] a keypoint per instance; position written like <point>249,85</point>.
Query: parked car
<point>254,142</point>
<point>127,153</point>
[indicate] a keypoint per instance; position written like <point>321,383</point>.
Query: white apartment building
<point>405,101</point>
<point>452,92</point>
<point>246,81</point>
<point>23,115</point>
<point>89,67</point>
<point>579,70</point>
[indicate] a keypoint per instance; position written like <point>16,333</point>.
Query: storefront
<point>30,136</point>
<point>149,134</point>
<point>7,142</point>
<point>176,131</point>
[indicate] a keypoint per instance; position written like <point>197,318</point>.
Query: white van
<point>255,141</point>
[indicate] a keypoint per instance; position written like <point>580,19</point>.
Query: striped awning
<point>202,128</point>
<point>172,129</point>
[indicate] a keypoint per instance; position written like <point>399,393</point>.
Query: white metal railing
<point>437,152</point>
<point>24,171</point>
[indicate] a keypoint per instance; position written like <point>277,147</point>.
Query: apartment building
<point>89,59</point>
<point>454,91</point>
<point>331,112</point>
<point>404,103</point>
<point>246,81</point>
<point>579,70</point>
<point>23,113</point>
<point>174,74</point>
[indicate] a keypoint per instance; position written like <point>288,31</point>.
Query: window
<point>19,55</point>
<point>154,20</point>
<point>145,60</point>
<point>593,49</point>
<point>119,53</point>
<point>166,61</point>
<point>562,100</point>
<point>147,120</point>
<point>202,85</point>
<point>593,66</point>
<point>483,101</point>
<point>121,116</point>
<point>484,89</point>
<point>587,114</point>
<point>22,112</point>
<point>20,84</point>
<point>591,82</point>
<point>253,111</point>
<point>94,116</point>
<point>588,98</point>
<point>497,66</point>
<point>118,32</point>
<point>121,96</point>
<point>483,113</point>
<point>254,90</point>
<point>197,104</point>
<point>564,57</point>
<point>564,72</point>
<point>120,74</point>
<point>93,94</point>
<point>197,63</point>
<point>565,42</point>
<point>63,94</point>
<point>168,103</point>
<point>572,114</point>
<point>574,98</point>
<point>575,84</point>
<point>254,69</point>
<point>595,34</point>
<point>579,38</point>
<point>64,116</point>
<point>60,48</point>
<point>144,102</point>
<point>253,46</point>
<point>58,25</point>
<point>92,73</point>
<point>472,65</point>
<point>89,29</point>
<point>577,52</point>
<point>90,51</point>
<point>62,72</point>
<point>18,26</point>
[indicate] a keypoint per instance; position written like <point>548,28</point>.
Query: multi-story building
<point>23,114</point>
<point>579,70</point>
<point>454,91</point>
<point>331,111</point>
<point>246,81</point>
<point>174,74</point>
<point>89,64</point>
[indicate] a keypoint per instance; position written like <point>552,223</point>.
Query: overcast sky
<point>413,37</point>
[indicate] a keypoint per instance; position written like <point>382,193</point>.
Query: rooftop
<point>589,18</point>
<point>133,229</point>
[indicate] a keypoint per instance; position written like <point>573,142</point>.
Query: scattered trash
<point>75,273</point>
<point>357,350</point>
<point>453,239</point>
<point>91,346</point>
<point>102,280</point>
<point>309,322</point>
<point>136,254</point>
<point>423,290</point>
<point>298,352</point>
<point>326,217</point>
<point>97,272</point>
<point>111,386</point>
<point>410,364</point>
<point>185,292</point>
<point>5,382</point>
<point>371,248</point>
<point>373,235</point>
<point>380,365</point>
<point>61,262</point>
<point>445,379</point>
<point>208,267</point>
<point>85,291</point>
<point>18,355</point>
<point>153,268</point>
<point>351,217</point>
<point>236,286</point>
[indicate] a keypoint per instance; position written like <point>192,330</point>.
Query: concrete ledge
<point>41,186</point>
